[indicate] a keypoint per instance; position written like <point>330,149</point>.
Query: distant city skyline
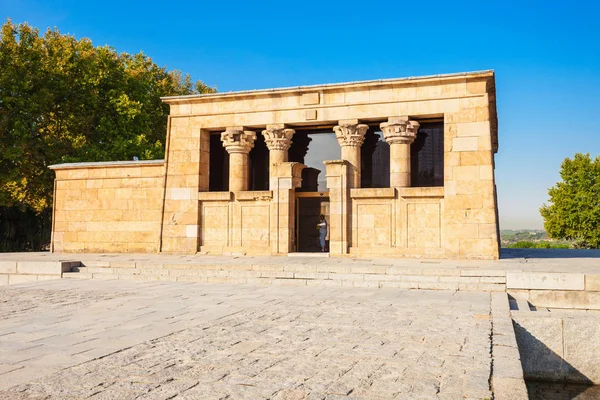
<point>546,56</point>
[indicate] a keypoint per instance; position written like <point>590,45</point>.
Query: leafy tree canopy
<point>574,212</point>
<point>64,100</point>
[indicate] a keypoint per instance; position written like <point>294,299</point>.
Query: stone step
<point>342,274</point>
<point>321,254</point>
<point>267,273</point>
<point>76,275</point>
<point>487,276</point>
<point>95,263</point>
<point>523,305</point>
<point>258,276</point>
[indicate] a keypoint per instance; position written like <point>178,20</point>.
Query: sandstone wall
<point>470,219</point>
<point>236,223</point>
<point>187,162</point>
<point>457,221</point>
<point>404,221</point>
<point>167,207</point>
<point>108,207</point>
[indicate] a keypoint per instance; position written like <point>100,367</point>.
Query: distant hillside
<point>529,238</point>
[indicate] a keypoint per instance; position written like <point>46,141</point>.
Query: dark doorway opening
<point>427,155</point>
<point>218,176</point>
<point>259,165</point>
<point>308,210</point>
<point>375,160</point>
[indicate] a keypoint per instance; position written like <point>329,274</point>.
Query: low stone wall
<point>556,290</point>
<point>559,346</point>
<point>14,272</point>
<point>108,207</point>
<point>397,222</point>
<point>419,222</point>
<point>507,378</point>
<point>557,334</point>
<point>236,223</point>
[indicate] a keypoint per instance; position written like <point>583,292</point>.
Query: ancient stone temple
<point>398,168</point>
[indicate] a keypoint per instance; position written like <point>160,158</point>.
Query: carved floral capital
<point>278,138</point>
<point>350,134</point>
<point>238,141</point>
<point>399,130</point>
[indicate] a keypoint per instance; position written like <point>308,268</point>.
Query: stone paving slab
<point>74,339</point>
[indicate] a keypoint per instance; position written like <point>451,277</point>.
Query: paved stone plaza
<point>71,339</point>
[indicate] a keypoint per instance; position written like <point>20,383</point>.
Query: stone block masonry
<point>172,207</point>
<point>560,345</point>
<point>108,207</point>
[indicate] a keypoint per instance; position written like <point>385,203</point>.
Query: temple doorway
<point>309,207</point>
<point>312,146</point>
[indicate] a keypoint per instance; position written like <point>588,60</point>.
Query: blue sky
<point>546,55</point>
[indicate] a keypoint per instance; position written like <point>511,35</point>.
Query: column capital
<point>278,137</point>
<point>237,140</point>
<point>399,130</point>
<point>350,133</point>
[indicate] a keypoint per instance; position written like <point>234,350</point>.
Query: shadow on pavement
<point>506,254</point>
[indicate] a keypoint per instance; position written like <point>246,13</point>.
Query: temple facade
<point>397,168</point>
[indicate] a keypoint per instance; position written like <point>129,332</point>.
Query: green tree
<point>64,100</point>
<point>574,212</point>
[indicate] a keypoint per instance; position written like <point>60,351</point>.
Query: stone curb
<point>507,375</point>
<point>15,272</point>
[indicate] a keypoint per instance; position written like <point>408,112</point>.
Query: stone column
<point>278,140</point>
<point>238,144</point>
<point>399,132</point>
<point>351,135</point>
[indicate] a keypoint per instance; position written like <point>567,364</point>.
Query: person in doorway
<point>322,227</point>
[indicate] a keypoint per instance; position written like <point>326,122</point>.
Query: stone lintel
<point>346,122</point>
<point>276,126</point>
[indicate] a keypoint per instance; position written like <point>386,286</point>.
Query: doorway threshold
<point>308,254</point>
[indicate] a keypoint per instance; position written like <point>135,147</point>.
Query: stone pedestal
<point>351,135</point>
<point>238,144</point>
<point>285,178</point>
<point>400,133</point>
